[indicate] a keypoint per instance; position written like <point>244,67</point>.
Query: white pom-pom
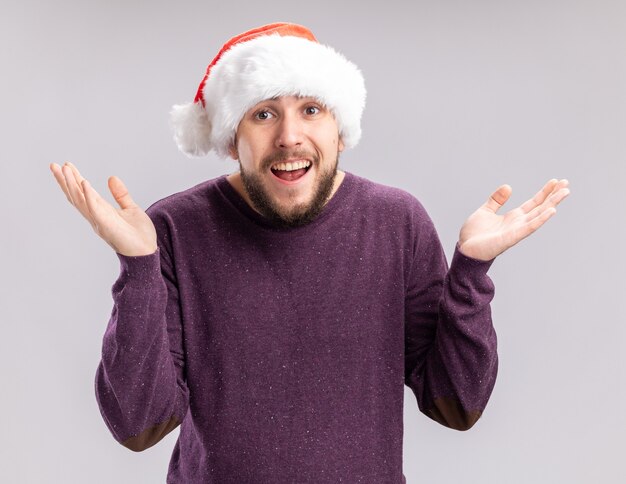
<point>192,129</point>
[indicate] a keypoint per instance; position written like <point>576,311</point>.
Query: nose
<point>290,131</point>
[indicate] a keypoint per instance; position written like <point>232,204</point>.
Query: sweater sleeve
<point>451,359</point>
<point>139,383</point>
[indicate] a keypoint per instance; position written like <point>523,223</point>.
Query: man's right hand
<point>129,230</point>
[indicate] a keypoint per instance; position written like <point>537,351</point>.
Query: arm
<point>451,356</point>
<point>451,359</point>
<point>140,385</point>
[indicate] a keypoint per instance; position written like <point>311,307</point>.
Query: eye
<point>312,110</point>
<point>263,115</point>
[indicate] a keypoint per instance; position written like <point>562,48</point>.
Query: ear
<point>340,145</point>
<point>232,149</point>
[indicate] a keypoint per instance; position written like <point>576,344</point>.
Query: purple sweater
<point>283,353</point>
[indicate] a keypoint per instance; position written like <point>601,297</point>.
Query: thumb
<point>120,193</point>
<point>498,198</point>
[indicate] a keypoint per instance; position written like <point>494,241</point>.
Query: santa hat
<point>279,59</point>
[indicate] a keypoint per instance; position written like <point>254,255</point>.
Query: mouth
<point>291,172</point>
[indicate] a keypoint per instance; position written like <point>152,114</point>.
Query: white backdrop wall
<point>462,96</point>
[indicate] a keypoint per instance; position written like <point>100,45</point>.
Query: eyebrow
<point>275,98</point>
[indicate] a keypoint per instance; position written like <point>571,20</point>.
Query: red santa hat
<point>279,59</point>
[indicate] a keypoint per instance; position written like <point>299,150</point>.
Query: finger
<point>76,193</point>
<point>523,231</point>
<point>551,202</point>
<point>559,196</point>
<point>120,193</point>
<point>60,178</point>
<point>94,203</point>
<point>77,175</point>
<point>563,183</point>
<point>498,198</point>
<point>79,180</point>
<point>540,196</point>
<point>76,186</point>
<point>554,197</point>
<point>538,221</point>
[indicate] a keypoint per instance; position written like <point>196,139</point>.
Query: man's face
<point>277,133</point>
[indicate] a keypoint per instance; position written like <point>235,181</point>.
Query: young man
<point>276,313</point>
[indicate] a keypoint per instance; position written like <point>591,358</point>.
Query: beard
<point>296,215</point>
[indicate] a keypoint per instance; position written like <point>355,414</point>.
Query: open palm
<point>128,229</point>
<point>485,234</point>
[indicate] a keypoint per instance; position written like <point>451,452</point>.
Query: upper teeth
<point>296,165</point>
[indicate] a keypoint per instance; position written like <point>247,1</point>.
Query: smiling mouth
<point>291,171</point>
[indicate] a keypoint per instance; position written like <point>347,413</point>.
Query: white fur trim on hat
<point>263,68</point>
<point>192,128</point>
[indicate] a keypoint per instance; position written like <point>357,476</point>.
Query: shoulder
<point>386,199</point>
<point>395,210</point>
<point>397,216</point>
<point>185,203</point>
<point>185,216</point>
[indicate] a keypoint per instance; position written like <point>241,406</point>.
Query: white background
<point>462,96</point>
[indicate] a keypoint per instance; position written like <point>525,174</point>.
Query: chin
<point>289,204</point>
<point>293,207</point>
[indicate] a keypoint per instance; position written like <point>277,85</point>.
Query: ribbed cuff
<point>466,264</point>
<point>141,267</point>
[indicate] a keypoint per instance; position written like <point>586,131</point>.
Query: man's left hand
<point>485,235</point>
